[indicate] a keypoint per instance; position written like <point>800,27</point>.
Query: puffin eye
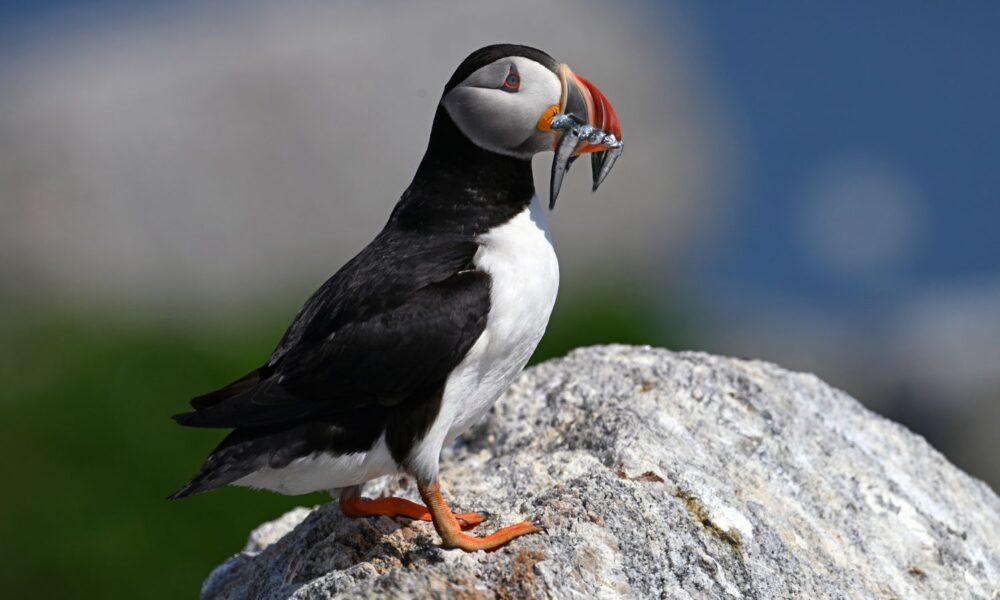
<point>512,82</point>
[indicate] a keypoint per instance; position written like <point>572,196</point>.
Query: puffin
<point>413,340</point>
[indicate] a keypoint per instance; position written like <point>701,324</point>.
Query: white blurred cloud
<point>860,217</point>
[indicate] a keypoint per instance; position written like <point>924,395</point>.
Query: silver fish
<point>596,162</point>
<point>607,160</point>
<point>568,142</point>
<point>574,135</point>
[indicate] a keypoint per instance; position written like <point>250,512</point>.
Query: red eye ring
<point>512,82</point>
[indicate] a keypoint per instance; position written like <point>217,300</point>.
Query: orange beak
<point>583,100</point>
<point>581,95</point>
<point>586,123</point>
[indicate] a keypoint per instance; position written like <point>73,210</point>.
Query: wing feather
<point>402,341</point>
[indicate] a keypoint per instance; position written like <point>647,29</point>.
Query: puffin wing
<point>391,356</point>
<point>399,348</point>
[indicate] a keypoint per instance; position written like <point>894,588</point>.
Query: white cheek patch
<point>493,119</point>
<point>498,120</point>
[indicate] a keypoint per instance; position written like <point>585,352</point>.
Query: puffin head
<point>518,101</point>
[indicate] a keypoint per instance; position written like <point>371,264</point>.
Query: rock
<point>660,475</point>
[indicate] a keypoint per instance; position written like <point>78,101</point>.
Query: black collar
<point>461,188</point>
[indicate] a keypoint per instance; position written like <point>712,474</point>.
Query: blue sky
<point>910,86</point>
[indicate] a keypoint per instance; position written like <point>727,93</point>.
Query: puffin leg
<point>355,506</point>
<point>449,528</point>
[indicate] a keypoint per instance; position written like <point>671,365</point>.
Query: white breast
<point>323,471</point>
<point>525,278</point>
<point>521,261</point>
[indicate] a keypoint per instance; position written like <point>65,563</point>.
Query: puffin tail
<point>208,478</point>
<point>234,458</point>
<point>190,489</point>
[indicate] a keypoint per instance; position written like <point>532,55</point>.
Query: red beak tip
<point>607,118</point>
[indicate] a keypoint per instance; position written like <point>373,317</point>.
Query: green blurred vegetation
<point>89,453</point>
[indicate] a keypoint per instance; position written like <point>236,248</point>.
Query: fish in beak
<point>584,122</point>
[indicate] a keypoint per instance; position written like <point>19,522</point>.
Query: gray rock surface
<point>660,475</point>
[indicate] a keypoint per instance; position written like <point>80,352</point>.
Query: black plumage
<point>370,351</point>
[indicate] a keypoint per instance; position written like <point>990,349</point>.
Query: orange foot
<point>448,525</point>
<point>401,507</point>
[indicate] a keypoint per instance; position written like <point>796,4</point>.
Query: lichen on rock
<point>659,475</point>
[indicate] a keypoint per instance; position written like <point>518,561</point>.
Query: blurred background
<point>815,185</point>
